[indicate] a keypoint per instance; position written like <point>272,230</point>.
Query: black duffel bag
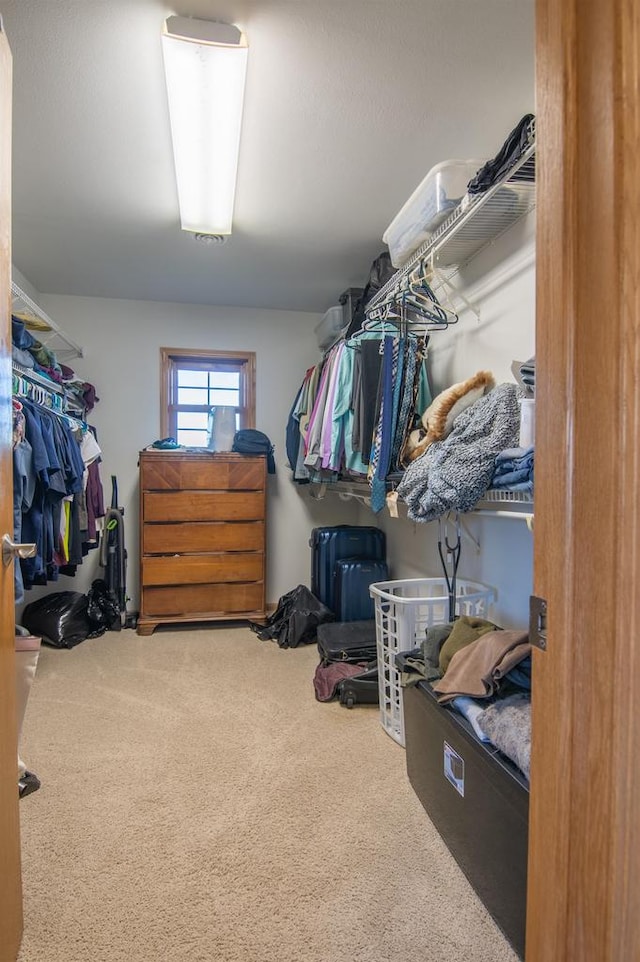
<point>295,621</point>
<point>250,441</point>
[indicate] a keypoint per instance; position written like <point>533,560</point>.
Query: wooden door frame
<point>584,856</point>
<point>10,872</point>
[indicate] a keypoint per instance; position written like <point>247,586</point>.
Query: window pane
<point>230,398</point>
<point>225,379</point>
<point>192,439</point>
<point>192,420</point>
<point>188,378</point>
<point>188,395</point>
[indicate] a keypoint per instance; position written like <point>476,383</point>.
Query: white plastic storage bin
<point>330,327</point>
<point>404,610</point>
<point>431,202</point>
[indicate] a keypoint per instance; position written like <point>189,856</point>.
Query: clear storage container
<point>431,202</point>
<point>404,610</point>
<point>330,327</point>
<point>348,300</point>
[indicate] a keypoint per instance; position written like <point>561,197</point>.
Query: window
<point>195,381</point>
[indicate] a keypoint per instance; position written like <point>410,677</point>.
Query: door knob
<point>11,550</point>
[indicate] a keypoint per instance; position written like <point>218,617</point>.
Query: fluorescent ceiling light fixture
<point>205,65</point>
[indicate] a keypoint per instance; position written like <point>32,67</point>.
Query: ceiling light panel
<point>205,66</point>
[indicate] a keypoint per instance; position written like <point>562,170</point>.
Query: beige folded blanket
<point>478,669</point>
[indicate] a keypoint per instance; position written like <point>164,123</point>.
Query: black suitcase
<point>332,544</point>
<point>347,641</point>
<point>359,689</point>
<point>353,576</point>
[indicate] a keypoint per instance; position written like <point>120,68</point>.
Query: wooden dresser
<point>202,537</point>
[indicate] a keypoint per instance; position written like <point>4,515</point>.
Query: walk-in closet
<point>318,426</point>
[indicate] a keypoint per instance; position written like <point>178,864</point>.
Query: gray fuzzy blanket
<point>453,474</point>
<point>508,724</point>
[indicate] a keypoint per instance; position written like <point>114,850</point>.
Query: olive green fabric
<point>465,631</point>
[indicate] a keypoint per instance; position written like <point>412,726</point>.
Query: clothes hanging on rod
<point>347,421</point>
<point>58,496</point>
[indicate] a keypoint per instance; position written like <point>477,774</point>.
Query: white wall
<point>121,341</point>
<point>501,282</point>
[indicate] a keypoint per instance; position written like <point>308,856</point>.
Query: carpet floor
<point>198,803</point>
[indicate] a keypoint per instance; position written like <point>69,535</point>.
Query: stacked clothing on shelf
<point>509,154</point>
<point>29,353</point>
<point>355,409</point>
<point>528,374</point>
<point>58,495</point>
<point>514,470</point>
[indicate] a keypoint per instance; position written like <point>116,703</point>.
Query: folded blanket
<point>466,629</point>
<point>514,470</point>
<point>507,722</point>
<point>479,669</point>
<point>528,372</point>
<point>453,474</point>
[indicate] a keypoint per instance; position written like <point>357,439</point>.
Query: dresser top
<point>197,455</point>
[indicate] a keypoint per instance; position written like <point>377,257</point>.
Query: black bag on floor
<point>295,620</point>
<point>359,689</point>
<point>353,641</point>
<point>60,618</point>
<point>103,610</point>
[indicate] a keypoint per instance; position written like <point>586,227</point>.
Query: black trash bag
<point>60,618</point>
<point>102,608</point>
<point>295,620</point>
<point>381,271</point>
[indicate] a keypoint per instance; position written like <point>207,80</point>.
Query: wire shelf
<point>476,222</point>
<point>42,326</point>
<point>517,504</point>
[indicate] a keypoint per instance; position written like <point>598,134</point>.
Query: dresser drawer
<point>203,506</point>
<point>204,472</point>
<point>202,569</point>
<point>200,536</point>
<point>183,600</point>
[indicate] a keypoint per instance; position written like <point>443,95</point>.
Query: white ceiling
<point>348,105</point>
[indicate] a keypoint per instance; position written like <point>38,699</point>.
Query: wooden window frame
<point>170,357</point>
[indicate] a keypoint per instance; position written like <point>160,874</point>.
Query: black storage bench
<point>477,800</point>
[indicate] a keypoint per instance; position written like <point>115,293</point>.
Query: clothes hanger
<point>451,561</point>
<point>420,294</point>
<point>415,303</point>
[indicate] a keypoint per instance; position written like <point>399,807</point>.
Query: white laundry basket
<point>404,609</point>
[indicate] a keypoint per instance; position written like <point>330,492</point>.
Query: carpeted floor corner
<point>199,805</point>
